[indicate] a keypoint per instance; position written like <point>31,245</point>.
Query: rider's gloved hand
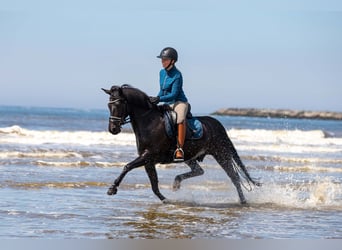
<point>154,100</point>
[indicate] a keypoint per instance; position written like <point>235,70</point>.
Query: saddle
<point>194,128</point>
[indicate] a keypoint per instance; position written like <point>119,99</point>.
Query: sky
<point>241,54</point>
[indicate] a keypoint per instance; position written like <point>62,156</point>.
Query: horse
<point>129,104</point>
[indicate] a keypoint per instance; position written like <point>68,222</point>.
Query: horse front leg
<point>153,176</point>
<point>138,162</point>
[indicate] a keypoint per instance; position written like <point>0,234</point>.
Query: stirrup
<point>178,158</point>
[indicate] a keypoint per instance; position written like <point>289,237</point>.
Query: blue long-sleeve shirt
<point>171,86</point>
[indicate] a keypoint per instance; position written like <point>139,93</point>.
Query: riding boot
<point>179,153</point>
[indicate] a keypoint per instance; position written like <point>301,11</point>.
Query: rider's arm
<point>176,88</point>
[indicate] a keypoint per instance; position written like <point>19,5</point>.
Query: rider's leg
<point>181,109</point>
<point>179,153</point>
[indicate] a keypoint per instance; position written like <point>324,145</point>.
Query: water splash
<point>319,193</point>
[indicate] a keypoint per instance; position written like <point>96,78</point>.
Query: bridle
<point>124,119</point>
<point>125,112</point>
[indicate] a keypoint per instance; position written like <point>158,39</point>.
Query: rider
<point>171,92</point>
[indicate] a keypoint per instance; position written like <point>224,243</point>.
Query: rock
<point>280,113</point>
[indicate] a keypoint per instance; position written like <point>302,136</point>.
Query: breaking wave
<point>17,134</point>
<point>278,150</point>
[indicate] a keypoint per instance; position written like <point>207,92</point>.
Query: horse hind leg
<point>227,165</point>
<point>196,170</point>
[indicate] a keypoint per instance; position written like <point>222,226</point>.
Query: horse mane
<point>136,96</point>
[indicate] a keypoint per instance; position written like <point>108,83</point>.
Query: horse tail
<point>238,165</point>
<point>241,168</point>
<point>214,125</point>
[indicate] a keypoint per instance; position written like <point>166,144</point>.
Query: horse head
<point>123,102</point>
<point>118,109</point>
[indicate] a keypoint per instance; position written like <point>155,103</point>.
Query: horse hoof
<point>176,186</point>
<point>112,191</point>
<point>243,202</point>
<point>166,201</point>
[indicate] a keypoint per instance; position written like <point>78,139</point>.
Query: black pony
<point>154,146</point>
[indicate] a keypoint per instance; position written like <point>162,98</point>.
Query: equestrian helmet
<point>169,53</point>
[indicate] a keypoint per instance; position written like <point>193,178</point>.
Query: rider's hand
<point>154,100</point>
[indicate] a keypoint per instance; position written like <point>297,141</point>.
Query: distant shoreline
<point>279,113</point>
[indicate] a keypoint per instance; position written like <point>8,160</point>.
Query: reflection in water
<point>179,221</point>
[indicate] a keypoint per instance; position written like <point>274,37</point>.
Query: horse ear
<point>106,91</point>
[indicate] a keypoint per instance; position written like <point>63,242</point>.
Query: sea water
<point>56,166</point>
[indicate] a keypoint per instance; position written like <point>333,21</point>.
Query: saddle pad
<point>194,128</point>
<point>170,121</point>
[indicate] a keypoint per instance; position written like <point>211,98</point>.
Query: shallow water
<point>54,180</point>
<point>71,202</point>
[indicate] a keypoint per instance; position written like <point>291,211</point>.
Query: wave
<point>298,137</point>
<point>40,154</point>
<point>42,163</point>
<point>303,160</point>
<point>307,151</point>
<point>17,134</point>
<point>307,168</point>
<point>323,166</point>
<point>40,185</point>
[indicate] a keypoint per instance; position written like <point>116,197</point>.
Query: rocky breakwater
<point>280,113</point>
